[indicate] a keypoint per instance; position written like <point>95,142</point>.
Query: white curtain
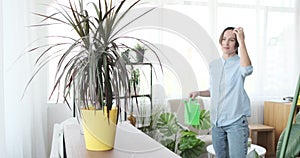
<point>2,121</point>
<point>23,121</point>
<point>272,38</point>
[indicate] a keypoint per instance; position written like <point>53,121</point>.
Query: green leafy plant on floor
<point>182,141</point>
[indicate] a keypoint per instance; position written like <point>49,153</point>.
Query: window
<point>271,42</point>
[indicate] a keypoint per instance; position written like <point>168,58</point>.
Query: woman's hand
<point>245,59</point>
<point>239,32</point>
<point>194,94</point>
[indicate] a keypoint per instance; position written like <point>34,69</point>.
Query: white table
<point>129,143</point>
<point>261,151</point>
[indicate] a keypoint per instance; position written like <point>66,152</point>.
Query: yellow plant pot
<point>99,133</point>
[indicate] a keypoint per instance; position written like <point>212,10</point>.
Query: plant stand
<point>145,76</point>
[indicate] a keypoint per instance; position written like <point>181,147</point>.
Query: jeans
<point>231,141</point>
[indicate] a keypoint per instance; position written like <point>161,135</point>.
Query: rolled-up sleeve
<point>246,70</point>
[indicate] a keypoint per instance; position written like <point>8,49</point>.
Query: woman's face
<point>228,42</point>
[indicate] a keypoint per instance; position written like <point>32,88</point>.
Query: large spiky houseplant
<point>90,69</point>
<point>93,57</point>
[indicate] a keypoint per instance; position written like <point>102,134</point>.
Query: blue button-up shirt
<point>229,100</point>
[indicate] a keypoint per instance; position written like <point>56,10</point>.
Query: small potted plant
<point>140,52</point>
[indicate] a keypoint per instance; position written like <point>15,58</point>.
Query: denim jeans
<point>231,141</point>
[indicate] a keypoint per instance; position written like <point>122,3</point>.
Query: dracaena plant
<point>90,66</point>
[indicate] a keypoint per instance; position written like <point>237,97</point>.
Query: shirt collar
<point>235,57</point>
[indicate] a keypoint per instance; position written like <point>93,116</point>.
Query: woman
<point>230,104</point>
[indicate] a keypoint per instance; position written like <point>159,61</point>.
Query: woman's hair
<point>221,38</point>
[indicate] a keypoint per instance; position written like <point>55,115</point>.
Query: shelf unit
<point>146,76</point>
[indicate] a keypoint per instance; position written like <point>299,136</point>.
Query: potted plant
<point>140,52</point>
<point>91,70</point>
<point>178,139</point>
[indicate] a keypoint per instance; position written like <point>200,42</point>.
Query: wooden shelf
<point>263,135</point>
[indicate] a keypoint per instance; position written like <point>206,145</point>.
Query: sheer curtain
<point>2,121</point>
<point>272,38</point>
<point>23,121</point>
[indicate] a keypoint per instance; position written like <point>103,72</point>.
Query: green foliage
<point>293,147</point>
<point>204,122</point>
<point>167,124</point>
<point>189,145</point>
<point>298,118</point>
<point>135,77</point>
<point>181,141</point>
<point>140,48</point>
<point>169,143</point>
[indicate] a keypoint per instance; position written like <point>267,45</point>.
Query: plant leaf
<point>298,118</point>
<point>169,143</point>
<point>167,124</point>
<point>189,145</point>
<point>293,145</point>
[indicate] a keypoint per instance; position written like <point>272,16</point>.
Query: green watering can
<point>191,112</point>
